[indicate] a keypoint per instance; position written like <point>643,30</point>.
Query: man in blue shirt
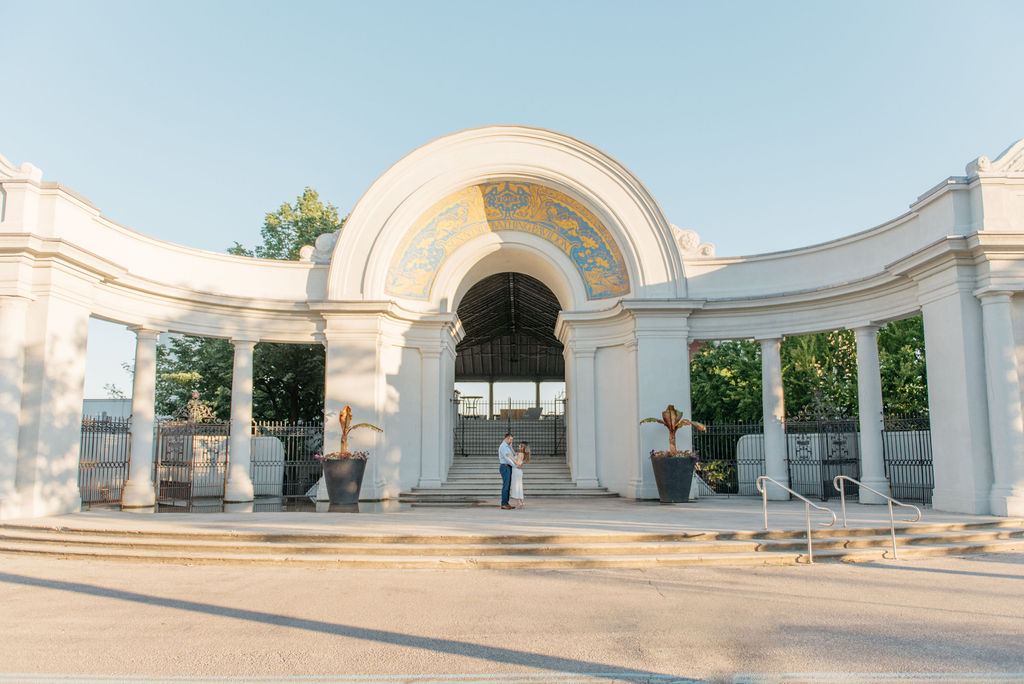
<point>506,460</point>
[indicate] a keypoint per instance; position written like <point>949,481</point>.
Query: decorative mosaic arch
<point>500,207</point>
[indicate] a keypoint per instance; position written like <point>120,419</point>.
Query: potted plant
<point>673,469</point>
<point>343,470</point>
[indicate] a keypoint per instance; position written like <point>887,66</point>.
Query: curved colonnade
<point>634,292</point>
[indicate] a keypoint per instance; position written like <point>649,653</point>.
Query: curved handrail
<point>837,482</point>
<point>807,509</point>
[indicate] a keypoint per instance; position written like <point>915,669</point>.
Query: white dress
<point>516,492</point>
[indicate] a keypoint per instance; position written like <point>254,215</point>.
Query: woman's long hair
<point>525,448</point>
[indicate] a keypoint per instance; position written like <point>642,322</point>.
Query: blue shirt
<point>505,455</point>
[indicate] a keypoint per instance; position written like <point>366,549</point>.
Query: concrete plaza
<point>936,619</point>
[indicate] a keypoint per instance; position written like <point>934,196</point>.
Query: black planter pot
<point>344,477</point>
<point>674,475</point>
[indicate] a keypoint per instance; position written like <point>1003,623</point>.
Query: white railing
<point>837,482</point>
<point>807,509</point>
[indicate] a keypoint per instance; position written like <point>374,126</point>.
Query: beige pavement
<point>551,516</point>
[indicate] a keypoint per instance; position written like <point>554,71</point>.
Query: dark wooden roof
<point>509,324</point>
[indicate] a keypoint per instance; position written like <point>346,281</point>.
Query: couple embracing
<point>510,464</point>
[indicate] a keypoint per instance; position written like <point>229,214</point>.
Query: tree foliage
<point>286,230</point>
<point>819,375</point>
<point>288,379</point>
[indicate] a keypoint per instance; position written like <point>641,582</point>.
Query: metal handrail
<point>807,509</point>
<point>837,483</point>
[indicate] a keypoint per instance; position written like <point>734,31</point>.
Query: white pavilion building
<point>632,289</point>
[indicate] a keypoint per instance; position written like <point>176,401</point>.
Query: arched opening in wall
<point>509,370</point>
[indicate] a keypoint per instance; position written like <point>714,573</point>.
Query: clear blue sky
<point>762,126</point>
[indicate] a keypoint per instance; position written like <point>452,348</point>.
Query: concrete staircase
<point>273,547</point>
<point>475,479</point>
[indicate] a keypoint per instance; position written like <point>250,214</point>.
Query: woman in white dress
<point>522,458</point>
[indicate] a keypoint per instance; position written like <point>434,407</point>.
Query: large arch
<point>381,220</point>
<point>491,200</point>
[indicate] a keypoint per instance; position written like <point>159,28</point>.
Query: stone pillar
<point>50,435</point>
<point>239,485</point>
<point>432,404</point>
<point>869,396</point>
<point>138,490</point>
<point>12,369</point>
<point>661,353</point>
<point>1006,429</point>
<point>774,408</point>
<point>353,378</point>
<point>583,459</point>
<point>957,403</point>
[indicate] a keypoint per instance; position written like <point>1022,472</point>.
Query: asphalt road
<point>905,620</point>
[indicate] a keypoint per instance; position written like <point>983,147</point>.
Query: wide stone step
<point>510,551</point>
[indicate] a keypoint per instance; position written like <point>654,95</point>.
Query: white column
<point>12,370</point>
<point>138,491</point>
<point>584,417</point>
<point>432,404</point>
<point>1004,405</point>
<point>774,408</point>
<point>239,485</point>
<point>869,396</point>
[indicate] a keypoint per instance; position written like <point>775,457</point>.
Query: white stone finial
<point>306,253</point>
<point>325,247</point>
<point>31,171</point>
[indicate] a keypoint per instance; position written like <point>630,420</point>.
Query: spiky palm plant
<point>673,419</point>
<point>345,418</point>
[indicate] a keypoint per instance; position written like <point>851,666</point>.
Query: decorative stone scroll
<point>1010,161</point>
<point>689,243</point>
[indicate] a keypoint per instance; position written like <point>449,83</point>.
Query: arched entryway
<point>509,324</point>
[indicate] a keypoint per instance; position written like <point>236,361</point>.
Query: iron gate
<point>191,461</point>
<point>283,462</point>
<point>907,451</point>
<point>817,451</point>
<point>105,451</point>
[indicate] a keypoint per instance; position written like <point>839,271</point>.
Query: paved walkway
<point>540,516</point>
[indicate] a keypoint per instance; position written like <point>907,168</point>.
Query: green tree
<point>189,363</point>
<point>819,374</point>
<point>725,382</point>
<point>286,230</point>
<point>288,379</point>
<point>904,370</point>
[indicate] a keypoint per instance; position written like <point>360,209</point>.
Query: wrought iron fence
<point>282,458</point>
<point>105,452</point>
<point>730,457</point>
<point>475,437</point>
<point>477,407</point>
<point>907,452</point>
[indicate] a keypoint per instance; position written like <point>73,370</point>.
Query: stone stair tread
<point>517,561</point>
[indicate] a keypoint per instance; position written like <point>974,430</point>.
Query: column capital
<point>865,328</point>
<point>431,352</point>
<point>994,296</point>
<point>243,340</point>
<point>769,337</point>
<point>145,331</point>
